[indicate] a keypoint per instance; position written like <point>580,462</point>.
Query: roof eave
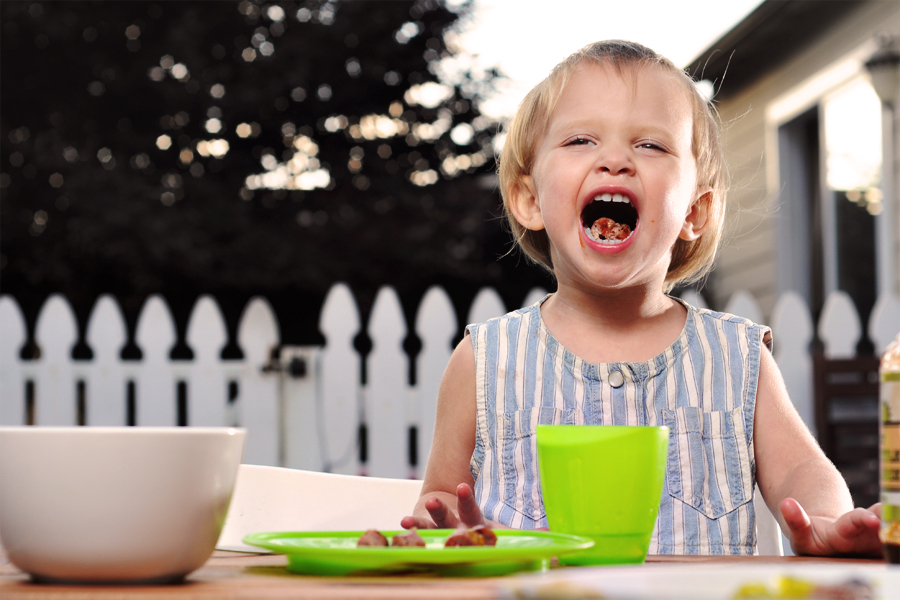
<point>765,39</point>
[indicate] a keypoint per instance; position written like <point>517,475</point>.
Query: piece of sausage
<point>481,535</point>
<point>409,539</point>
<point>372,537</point>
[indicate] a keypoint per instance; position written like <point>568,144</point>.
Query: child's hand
<point>854,532</point>
<point>443,517</point>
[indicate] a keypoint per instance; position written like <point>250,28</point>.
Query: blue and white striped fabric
<point>703,388</point>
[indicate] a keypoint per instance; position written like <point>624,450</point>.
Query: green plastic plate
<point>335,553</point>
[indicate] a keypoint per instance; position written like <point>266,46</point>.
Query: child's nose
<point>615,161</point>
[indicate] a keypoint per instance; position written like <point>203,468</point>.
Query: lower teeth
<point>608,242</point>
<point>605,242</point>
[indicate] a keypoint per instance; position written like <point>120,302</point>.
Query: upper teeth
<point>612,198</point>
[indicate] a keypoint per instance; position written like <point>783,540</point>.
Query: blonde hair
<point>691,260</point>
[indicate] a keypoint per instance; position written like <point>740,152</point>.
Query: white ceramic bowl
<point>114,504</point>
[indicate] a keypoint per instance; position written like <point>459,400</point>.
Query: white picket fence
<point>312,421</point>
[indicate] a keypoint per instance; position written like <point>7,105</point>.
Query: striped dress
<point>703,387</point>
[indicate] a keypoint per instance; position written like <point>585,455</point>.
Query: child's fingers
<point>417,522</point>
<point>469,512</point>
<point>857,532</point>
<point>800,525</point>
<point>441,513</point>
<point>856,522</point>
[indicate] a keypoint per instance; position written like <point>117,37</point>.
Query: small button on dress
<point>616,379</point>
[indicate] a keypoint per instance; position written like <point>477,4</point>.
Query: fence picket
<point>742,304</point>
<point>535,295</point>
<point>839,326</point>
<point>435,326</point>
<point>792,328</point>
<point>301,409</point>
<point>694,298</point>
<point>106,334</point>
<point>387,410</point>
<point>884,323</point>
<point>486,305</point>
<point>339,380</point>
<point>12,380</point>
<point>207,336</point>
<point>257,401</point>
<point>56,333</point>
<point>155,382</point>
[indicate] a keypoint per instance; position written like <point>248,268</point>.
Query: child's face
<point>614,181</point>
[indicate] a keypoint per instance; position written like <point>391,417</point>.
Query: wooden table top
<point>230,575</point>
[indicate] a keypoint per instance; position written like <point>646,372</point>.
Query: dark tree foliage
<point>95,200</point>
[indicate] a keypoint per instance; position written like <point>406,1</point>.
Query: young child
<point>613,179</point>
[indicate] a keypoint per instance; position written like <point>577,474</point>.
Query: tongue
<point>607,229</point>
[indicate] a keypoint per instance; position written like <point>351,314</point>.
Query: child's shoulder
<point>709,314</point>
<point>519,315</point>
<point>711,318</point>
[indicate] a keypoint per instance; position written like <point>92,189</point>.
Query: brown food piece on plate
<point>372,537</point>
<point>410,538</point>
<point>481,535</point>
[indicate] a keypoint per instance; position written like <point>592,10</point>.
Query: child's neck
<point>631,325</point>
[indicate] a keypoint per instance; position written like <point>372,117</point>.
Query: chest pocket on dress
<point>520,487</point>
<point>709,460</point>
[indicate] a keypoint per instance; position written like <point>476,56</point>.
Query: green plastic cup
<point>603,482</point>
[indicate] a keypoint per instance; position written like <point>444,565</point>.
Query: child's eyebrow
<point>655,131</point>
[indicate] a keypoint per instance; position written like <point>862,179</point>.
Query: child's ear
<point>696,218</point>
<point>524,204</point>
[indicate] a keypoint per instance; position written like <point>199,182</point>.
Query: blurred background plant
<point>241,149</point>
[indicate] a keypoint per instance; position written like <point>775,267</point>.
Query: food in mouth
<point>605,228</point>
<point>609,218</point>
<point>409,539</point>
<point>481,535</point>
<point>372,537</point>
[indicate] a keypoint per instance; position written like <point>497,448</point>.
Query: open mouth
<point>609,219</point>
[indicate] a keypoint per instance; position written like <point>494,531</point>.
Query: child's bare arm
<point>800,485</point>
<point>443,502</point>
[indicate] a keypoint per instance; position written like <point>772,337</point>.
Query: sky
<point>526,38</point>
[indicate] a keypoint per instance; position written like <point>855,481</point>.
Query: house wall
<point>748,259</point>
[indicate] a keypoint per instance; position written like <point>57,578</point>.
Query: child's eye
<point>579,141</point>
<point>651,146</point>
